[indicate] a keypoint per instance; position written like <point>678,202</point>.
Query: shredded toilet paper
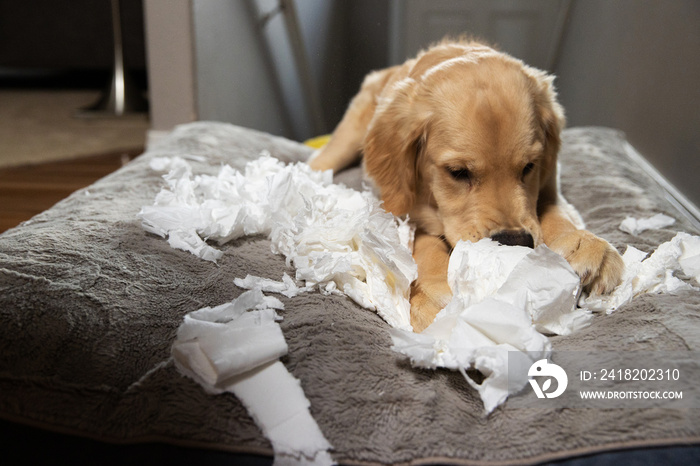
<point>216,344</point>
<point>505,299</point>
<point>235,348</point>
<point>653,274</point>
<point>286,287</point>
<point>635,226</point>
<point>338,239</point>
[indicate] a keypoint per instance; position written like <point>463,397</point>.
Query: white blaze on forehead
<point>471,55</point>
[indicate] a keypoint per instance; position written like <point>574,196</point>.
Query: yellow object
<point>318,141</point>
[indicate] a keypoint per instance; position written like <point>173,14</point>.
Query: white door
<point>527,29</point>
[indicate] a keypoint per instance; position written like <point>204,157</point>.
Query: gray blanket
<point>90,303</point>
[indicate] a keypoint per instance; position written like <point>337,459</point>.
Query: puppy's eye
<point>528,169</point>
<point>460,174</point>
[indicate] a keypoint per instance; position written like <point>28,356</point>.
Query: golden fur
<point>464,139</point>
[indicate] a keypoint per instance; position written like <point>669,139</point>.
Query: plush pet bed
<point>90,304</point>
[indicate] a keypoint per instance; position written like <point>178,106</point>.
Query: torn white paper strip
<point>277,404</point>
<point>502,297</point>
<point>215,344</point>
<point>635,226</point>
<point>286,287</point>
<point>235,348</point>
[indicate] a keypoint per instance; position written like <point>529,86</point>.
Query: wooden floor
<point>28,190</point>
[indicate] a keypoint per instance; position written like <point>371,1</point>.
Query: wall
<point>170,54</point>
<point>243,72</point>
<point>234,71</point>
<point>635,65</point>
<point>250,74</point>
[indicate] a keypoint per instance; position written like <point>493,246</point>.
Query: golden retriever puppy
<point>464,139</point>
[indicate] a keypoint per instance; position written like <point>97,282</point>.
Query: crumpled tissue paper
<point>635,226</point>
<point>235,348</point>
<point>338,239</point>
<point>286,287</point>
<point>653,274</point>
<point>503,297</point>
<point>215,344</point>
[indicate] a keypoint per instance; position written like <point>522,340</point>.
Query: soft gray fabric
<point>90,303</point>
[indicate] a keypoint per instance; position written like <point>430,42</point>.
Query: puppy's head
<point>464,142</point>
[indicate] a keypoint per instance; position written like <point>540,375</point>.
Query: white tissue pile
<point>503,297</point>
<point>341,241</point>
<point>653,274</point>
<point>338,239</point>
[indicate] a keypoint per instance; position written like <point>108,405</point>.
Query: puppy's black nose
<point>514,238</point>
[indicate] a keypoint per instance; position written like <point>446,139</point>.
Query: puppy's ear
<point>549,116</point>
<point>392,144</point>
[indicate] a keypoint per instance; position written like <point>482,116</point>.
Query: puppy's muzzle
<point>514,238</point>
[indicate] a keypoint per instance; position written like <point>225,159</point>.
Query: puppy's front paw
<point>597,263</point>
<point>426,302</point>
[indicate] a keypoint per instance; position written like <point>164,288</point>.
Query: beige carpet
<point>39,126</point>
